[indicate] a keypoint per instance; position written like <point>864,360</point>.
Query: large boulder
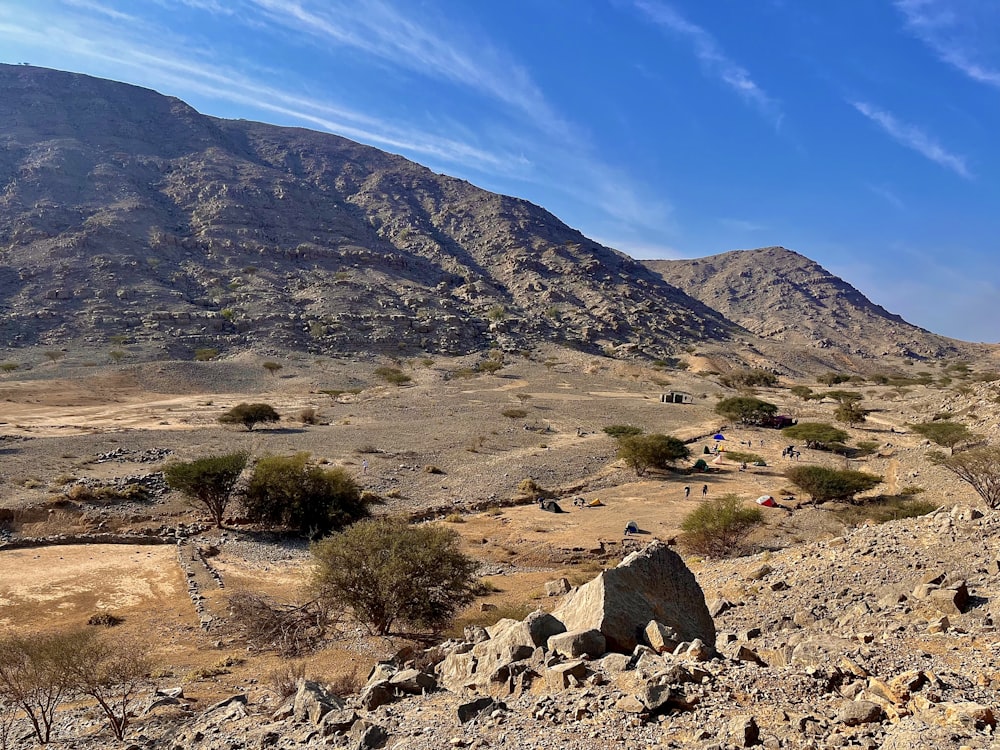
<point>651,584</point>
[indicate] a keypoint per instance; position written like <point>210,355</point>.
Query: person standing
<point>704,490</point>
<point>687,492</point>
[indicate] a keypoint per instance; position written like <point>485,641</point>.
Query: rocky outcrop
<point>651,585</point>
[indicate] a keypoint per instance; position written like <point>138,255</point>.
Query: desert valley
<point>469,363</point>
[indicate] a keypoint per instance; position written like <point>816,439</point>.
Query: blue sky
<point>861,133</point>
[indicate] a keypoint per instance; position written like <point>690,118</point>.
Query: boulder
<point>853,713</point>
<point>313,701</point>
<point>576,643</point>
<point>661,638</point>
<point>557,587</point>
<point>650,584</point>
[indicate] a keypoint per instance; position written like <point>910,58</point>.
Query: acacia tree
<point>112,672</point>
<point>745,409</point>
<point>816,435</point>
<point>979,467</point>
<point>944,433</point>
<point>642,452</point>
<point>31,679</point>
<point>250,414</point>
<point>850,413</point>
<point>823,483</point>
<point>387,571</point>
<point>208,481</point>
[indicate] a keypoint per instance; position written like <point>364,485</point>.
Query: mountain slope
<point>783,296</point>
<point>124,213</point>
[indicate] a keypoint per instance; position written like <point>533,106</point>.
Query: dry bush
<point>284,680</point>
<point>432,469</point>
<point>307,415</point>
<point>349,683</point>
<point>267,625</point>
<point>105,619</point>
<point>514,413</point>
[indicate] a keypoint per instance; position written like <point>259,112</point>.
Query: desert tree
<point>31,678</point>
<point>749,378</point>
<point>387,571</point>
<point>850,413</point>
<point>943,432</point>
<point>290,491</point>
<point>745,409</point>
<point>979,467</point>
<point>642,452</point>
<point>272,367</point>
<point>209,481</point>
<point>816,435</point>
<point>111,671</point>
<point>249,415</point>
<point>823,483</point>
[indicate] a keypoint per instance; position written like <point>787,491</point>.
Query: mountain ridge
<point>127,215</point>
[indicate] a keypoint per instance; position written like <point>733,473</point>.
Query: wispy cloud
<point>713,58</point>
<point>388,33</point>
<point>914,138</point>
<point>887,195</point>
<point>961,34</point>
<point>742,225</point>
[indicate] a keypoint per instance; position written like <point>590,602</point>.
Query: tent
<point>767,501</point>
<point>700,465</point>
<point>551,506</point>
<point>595,503</point>
<point>631,528</point>
<point>718,436</point>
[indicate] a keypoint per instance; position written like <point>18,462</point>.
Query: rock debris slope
<point>125,212</point>
<point>782,296</point>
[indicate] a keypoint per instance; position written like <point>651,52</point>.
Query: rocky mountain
<point>782,296</point>
<point>127,215</point>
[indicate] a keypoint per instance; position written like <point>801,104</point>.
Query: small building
<point>676,397</point>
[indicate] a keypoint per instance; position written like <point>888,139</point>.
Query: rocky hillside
<point>782,296</point>
<point>127,215</point>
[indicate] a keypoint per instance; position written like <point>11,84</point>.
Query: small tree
<point>850,413</point>
<point>944,433</point>
<point>387,571</point>
<point>979,467</point>
<point>749,378</point>
<point>392,375</point>
<point>272,367</point>
<point>111,671</point>
<point>816,435</point>
<point>718,527</point>
<point>250,414</point>
<point>31,678</point>
<point>208,481</point>
<point>804,392</point>
<point>745,409</point>
<point>642,452</point>
<point>289,491</point>
<point>823,483</point>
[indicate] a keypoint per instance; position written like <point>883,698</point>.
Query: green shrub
<point>816,435</point>
<point>387,571</point>
<point>623,430</point>
<point>514,413</point>
<point>288,491</point>
<point>749,378</point>
<point>745,409</point>
<point>392,375</point>
<point>717,528</point>
<point>206,354</point>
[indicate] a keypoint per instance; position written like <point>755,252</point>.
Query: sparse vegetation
<point>272,367</point>
<point>290,492</point>
<point>249,415</point>
<point>749,378</point>
<point>816,435</point>
<point>208,482</point>
<point>392,375</point>
<point>513,413</point>
<point>205,355</point>
<point>719,527</point>
<point>387,572</point>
